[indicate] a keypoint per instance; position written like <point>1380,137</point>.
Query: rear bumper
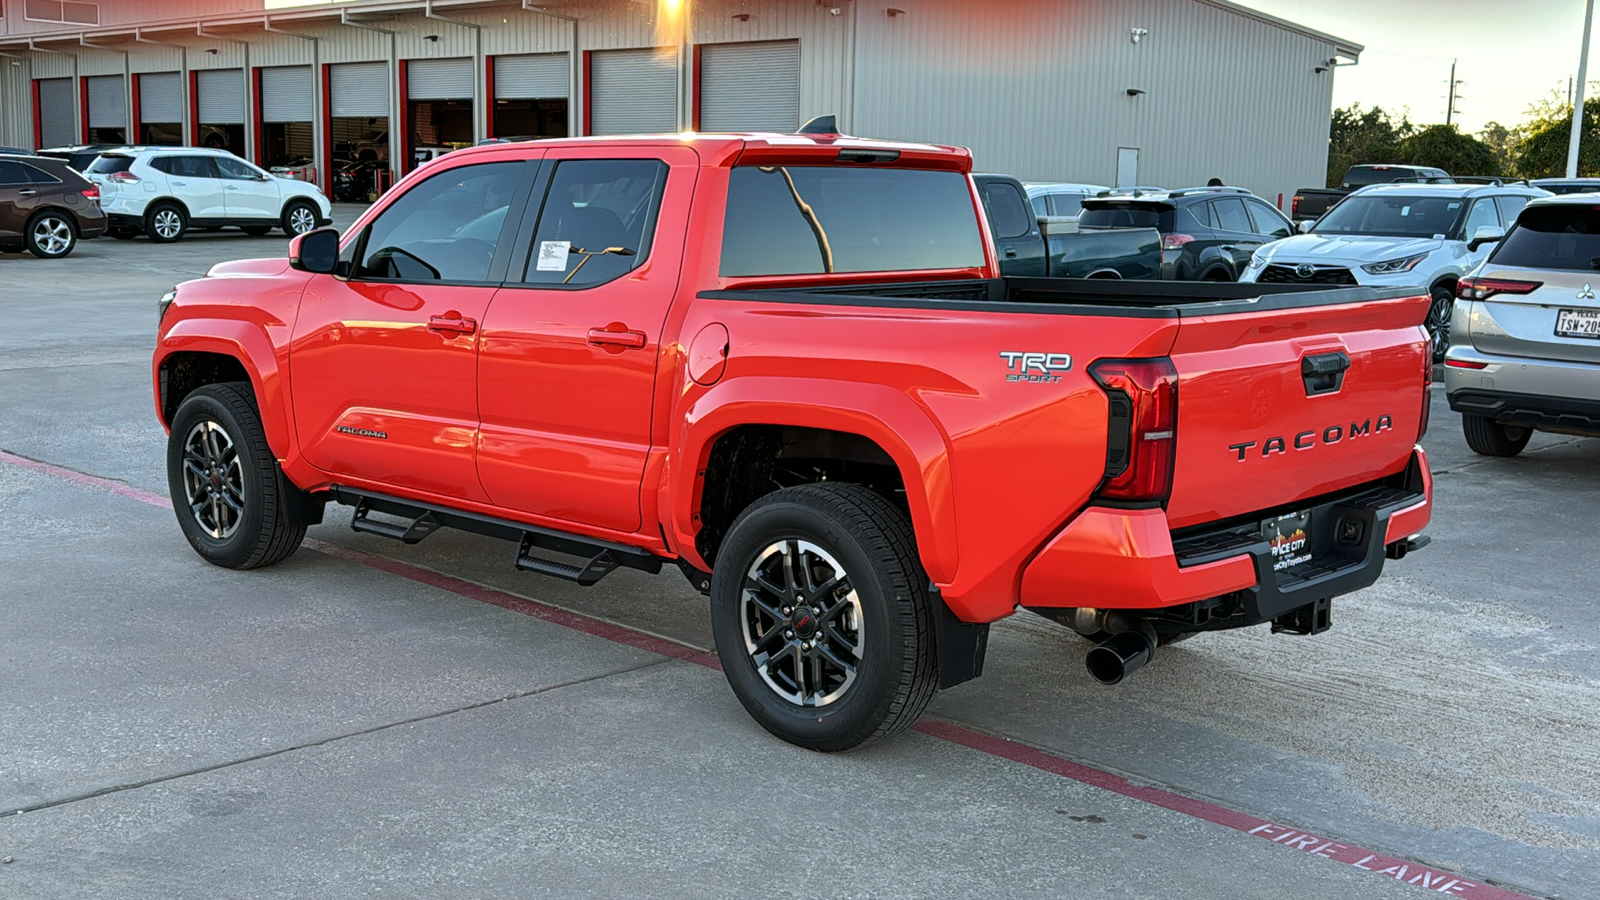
<point>1534,393</point>
<point>125,220</point>
<point>1128,558</point>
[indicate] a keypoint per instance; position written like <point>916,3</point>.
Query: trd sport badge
<point>1040,367</point>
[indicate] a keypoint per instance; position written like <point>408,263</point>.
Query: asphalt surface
<point>340,725</point>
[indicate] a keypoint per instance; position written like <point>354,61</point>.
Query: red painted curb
<point>1431,879</point>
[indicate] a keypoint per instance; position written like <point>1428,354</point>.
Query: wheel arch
<point>228,351</point>
<point>855,430</point>
<point>64,212</point>
<point>182,206</point>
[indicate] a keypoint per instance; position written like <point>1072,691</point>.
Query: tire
<point>50,235</point>
<point>255,230</point>
<point>1487,437</point>
<point>299,217</point>
<point>166,223</point>
<point>881,630</point>
<point>1438,321</point>
<point>217,451</point>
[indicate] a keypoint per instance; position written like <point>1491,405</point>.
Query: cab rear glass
<point>1559,237</point>
<point>808,220</point>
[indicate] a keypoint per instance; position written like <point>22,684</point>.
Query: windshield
<point>1392,215</point>
<point>1553,237</point>
<point>804,220</point>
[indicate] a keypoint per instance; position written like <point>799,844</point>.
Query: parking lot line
<point>1425,877</point>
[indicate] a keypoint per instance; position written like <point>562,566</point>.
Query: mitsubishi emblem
<point>1586,294</point>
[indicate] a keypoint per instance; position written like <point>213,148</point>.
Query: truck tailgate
<point>1280,402</point>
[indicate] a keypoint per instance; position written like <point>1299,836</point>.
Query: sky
<point>1509,54</point>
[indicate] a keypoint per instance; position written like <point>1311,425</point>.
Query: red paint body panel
<point>531,418</point>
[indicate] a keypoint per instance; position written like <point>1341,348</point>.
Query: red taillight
<point>1294,207</point>
<point>1465,364</point>
<point>1142,431</point>
<point>123,178</point>
<point>1484,288</point>
<point>90,193</point>
<point>1175,241</point>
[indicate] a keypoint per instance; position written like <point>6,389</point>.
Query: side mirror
<point>1304,227</point>
<point>1486,234</point>
<point>316,251</point>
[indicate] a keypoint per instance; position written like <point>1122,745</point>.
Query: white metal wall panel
<point>161,97</point>
<point>155,59</point>
<point>439,79</point>
<point>287,94</point>
<point>358,90</point>
<point>221,96</point>
<point>953,72</point>
<point>217,55</point>
<point>58,108</point>
<point>750,87</point>
<point>633,91</point>
<point>108,102</point>
<point>531,76</point>
<point>52,65</point>
<point>16,105</point>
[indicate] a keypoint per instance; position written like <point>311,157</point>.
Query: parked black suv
<point>1207,234</point>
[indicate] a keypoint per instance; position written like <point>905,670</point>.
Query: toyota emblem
<point>1305,270</point>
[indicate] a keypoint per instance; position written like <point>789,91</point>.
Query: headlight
<point>166,301</point>
<point>1392,266</point>
<point>1257,260</point>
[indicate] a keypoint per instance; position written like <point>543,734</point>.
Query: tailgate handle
<point>1323,373</point>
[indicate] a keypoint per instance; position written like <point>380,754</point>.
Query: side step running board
<point>418,520</point>
<point>412,532</point>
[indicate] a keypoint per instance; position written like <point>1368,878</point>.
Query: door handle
<point>26,193</point>
<point>230,188</point>
<point>452,325</point>
<point>632,340</point>
<point>1228,247</point>
<point>1011,254</point>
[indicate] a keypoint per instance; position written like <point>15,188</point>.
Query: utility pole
<point>1577,106</point>
<point>1450,110</point>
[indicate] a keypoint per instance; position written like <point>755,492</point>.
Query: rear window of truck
<point>1553,237</point>
<point>809,220</point>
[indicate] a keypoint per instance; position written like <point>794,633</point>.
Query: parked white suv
<point>165,191</point>
<point>1398,235</point>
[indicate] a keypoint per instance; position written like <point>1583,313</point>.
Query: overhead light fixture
<point>431,37</point>
<point>1138,33</point>
<point>895,12</point>
<point>742,17</point>
<point>1134,92</point>
<point>211,50</point>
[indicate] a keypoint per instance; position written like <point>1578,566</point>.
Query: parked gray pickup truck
<point>1032,246</point>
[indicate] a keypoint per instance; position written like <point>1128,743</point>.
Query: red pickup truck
<point>788,366</point>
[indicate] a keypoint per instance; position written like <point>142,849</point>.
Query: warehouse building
<point>1124,92</point>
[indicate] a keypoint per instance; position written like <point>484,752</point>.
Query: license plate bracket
<point>1578,323</point>
<point>1290,539</point>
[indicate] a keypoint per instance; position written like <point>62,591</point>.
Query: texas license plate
<point>1290,537</point>
<point>1578,323</point>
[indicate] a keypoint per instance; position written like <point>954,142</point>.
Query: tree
<point>1445,147</point>
<point>1542,153</point>
<point>1502,142</point>
<point>1358,135</point>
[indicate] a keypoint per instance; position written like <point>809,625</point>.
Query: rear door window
<point>1006,210</point>
<point>1565,237</point>
<point>1267,220</point>
<point>39,176</point>
<point>598,221</point>
<point>1510,205</point>
<point>1230,215</point>
<point>11,173</point>
<point>1066,204</point>
<point>803,220</point>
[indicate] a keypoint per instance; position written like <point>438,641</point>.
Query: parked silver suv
<point>1525,335</point>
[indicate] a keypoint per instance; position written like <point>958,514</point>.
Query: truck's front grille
<point>1278,274</point>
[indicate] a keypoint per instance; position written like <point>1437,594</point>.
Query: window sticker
<point>553,256</point>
